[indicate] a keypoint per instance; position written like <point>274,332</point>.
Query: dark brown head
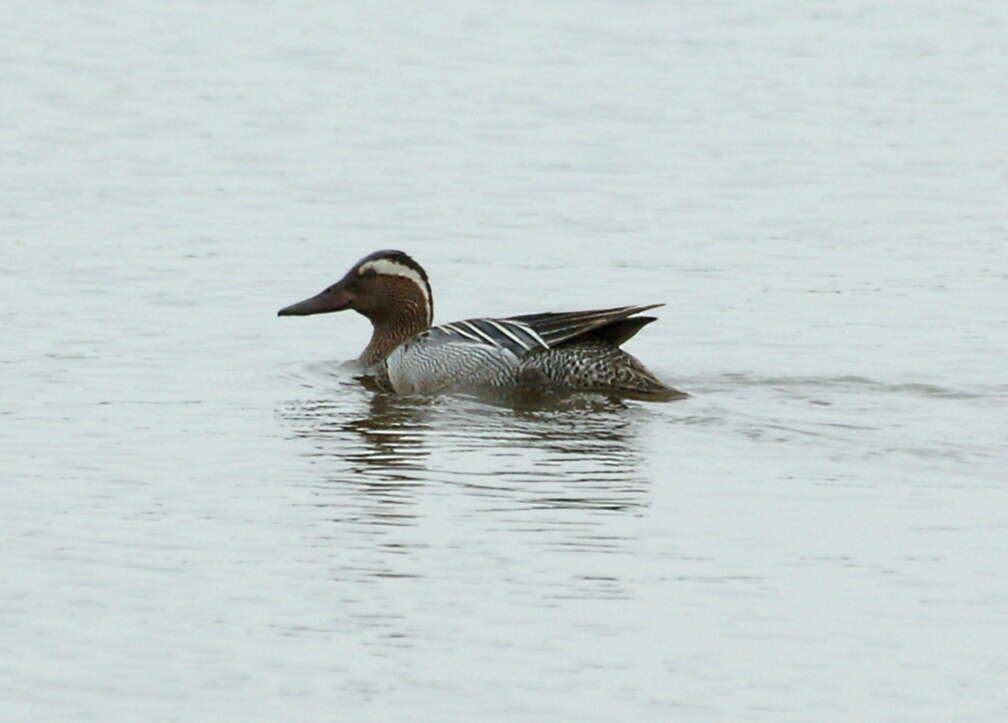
<point>388,287</point>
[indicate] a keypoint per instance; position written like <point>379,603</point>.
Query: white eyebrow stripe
<point>506,332</point>
<point>454,329</point>
<point>393,268</point>
<point>532,332</point>
<point>489,339</point>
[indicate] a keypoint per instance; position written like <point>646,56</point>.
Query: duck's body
<point>576,351</point>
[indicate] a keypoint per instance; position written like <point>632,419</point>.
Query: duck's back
<point>574,350</point>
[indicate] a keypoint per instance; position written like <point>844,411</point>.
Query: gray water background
<point>204,519</point>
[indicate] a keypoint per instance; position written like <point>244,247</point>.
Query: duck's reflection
<point>574,453</point>
<point>399,477</point>
<point>369,466</point>
<point>390,445</point>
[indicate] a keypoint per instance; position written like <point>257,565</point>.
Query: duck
<point>575,351</point>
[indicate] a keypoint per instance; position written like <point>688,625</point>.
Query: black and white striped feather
<point>524,335</point>
<point>560,328</point>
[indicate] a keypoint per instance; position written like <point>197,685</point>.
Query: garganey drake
<point>573,351</point>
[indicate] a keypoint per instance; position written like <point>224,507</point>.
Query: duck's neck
<point>392,330</point>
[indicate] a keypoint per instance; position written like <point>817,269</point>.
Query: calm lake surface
<point>205,519</point>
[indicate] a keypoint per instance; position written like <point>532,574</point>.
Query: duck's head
<point>386,287</point>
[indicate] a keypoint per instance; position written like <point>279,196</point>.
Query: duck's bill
<point>333,299</point>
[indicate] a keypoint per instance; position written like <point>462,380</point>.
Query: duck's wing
<point>516,337</point>
<point>522,335</point>
<point>612,325</point>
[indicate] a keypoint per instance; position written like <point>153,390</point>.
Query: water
<point>205,519</point>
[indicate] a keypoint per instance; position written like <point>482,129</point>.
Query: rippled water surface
<point>205,517</point>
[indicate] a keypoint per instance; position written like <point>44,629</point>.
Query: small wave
<point>321,374</point>
<point>849,382</point>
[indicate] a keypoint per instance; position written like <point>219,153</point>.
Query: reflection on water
<point>384,460</point>
<point>586,447</point>
<point>564,476</point>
